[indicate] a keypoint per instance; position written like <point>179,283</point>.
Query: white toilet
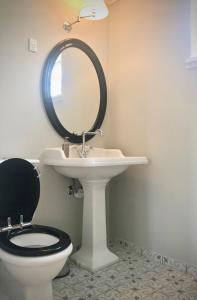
<point>31,255</point>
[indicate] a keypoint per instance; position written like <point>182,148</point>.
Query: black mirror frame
<point>47,99</point>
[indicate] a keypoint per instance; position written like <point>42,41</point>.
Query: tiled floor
<point>132,278</point>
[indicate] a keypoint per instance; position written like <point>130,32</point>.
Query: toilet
<point>31,255</point>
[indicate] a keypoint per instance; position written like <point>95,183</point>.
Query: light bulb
<point>94,10</point>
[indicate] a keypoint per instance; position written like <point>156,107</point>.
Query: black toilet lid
<point>19,191</point>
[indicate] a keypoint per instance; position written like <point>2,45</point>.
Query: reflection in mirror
<point>76,98</point>
<point>56,79</point>
<point>74,90</point>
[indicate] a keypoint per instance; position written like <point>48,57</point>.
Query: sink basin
<point>93,152</point>
<point>94,172</point>
<point>100,163</point>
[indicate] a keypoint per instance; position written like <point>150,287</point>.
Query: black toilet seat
<point>8,246</point>
<point>19,191</point>
<point>19,196</point>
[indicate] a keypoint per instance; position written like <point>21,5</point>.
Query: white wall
<point>24,128</point>
<point>193,24</point>
<point>153,112</point>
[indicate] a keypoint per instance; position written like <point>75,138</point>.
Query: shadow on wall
<point>56,208</point>
<point>129,206</point>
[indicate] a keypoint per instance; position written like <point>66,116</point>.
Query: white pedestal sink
<point>94,172</point>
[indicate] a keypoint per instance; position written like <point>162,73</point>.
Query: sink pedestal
<point>94,253</point>
<point>94,172</point>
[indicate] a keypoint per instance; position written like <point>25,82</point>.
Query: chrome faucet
<point>83,152</point>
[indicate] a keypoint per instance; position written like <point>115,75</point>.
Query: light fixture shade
<point>94,10</point>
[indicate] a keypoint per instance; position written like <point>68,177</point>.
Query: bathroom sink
<point>94,172</point>
<point>99,164</point>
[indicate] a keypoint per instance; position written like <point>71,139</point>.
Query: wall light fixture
<point>91,10</point>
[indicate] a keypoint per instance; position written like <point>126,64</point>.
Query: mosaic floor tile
<point>151,254</point>
<point>136,293</point>
<point>133,277</point>
<point>92,289</point>
<point>190,281</point>
<point>178,294</point>
<point>113,278</point>
<point>76,275</point>
<point>66,292</point>
<point>110,295</point>
<point>157,296</point>
<point>56,297</point>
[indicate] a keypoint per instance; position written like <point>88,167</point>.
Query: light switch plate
<point>32,45</point>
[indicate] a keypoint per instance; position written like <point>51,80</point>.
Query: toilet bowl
<point>32,254</point>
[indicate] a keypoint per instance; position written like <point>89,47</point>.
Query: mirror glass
<point>75,90</point>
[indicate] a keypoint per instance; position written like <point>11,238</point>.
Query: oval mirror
<point>74,89</point>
